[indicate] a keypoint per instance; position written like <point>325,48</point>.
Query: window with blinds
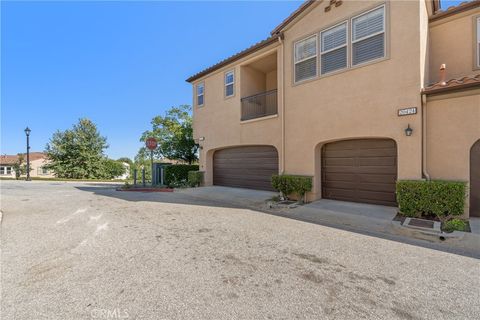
<point>368,36</point>
<point>229,83</point>
<point>334,48</point>
<point>306,59</point>
<point>200,94</point>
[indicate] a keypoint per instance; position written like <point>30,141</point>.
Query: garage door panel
<point>348,153</point>
<point>377,161</point>
<point>379,187</point>
<point>363,170</point>
<point>260,155</point>
<point>245,167</point>
<point>247,162</point>
<point>360,170</point>
<point>340,161</point>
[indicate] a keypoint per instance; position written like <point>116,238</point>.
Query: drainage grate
<point>421,223</point>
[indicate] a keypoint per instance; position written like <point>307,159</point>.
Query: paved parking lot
<point>83,251</point>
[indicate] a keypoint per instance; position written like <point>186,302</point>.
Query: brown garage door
<point>245,167</point>
<point>475,180</point>
<point>363,170</point>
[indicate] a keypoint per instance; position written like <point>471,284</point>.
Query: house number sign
<point>407,111</point>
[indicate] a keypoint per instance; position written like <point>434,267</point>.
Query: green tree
<point>20,166</point>
<point>174,134</point>
<point>113,168</point>
<point>78,152</point>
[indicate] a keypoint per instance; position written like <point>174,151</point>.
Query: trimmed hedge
<point>444,199</point>
<point>288,184</point>
<point>176,174</point>
<point>195,178</point>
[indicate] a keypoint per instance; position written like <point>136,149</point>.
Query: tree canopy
<point>174,134</point>
<point>78,152</point>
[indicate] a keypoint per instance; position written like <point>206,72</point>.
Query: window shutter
<point>229,90</point>
<point>306,59</point>
<point>368,49</point>
<point>334,37</point>
<point>334,60</point>
<point>306,48</point>
<point>368,36</point>
<point>306,69</point>
<point>368,24</point>
<point>334,41</point>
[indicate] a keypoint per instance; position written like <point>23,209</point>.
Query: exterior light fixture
<point>408,131</point>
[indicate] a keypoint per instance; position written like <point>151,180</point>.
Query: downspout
<point>282,83</point>
<point>442,82</point>
<point>424,137</point>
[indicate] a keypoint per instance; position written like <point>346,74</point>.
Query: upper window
<point>306,59</point>
<point>334,48</point>
<point>478,42</point>
<point>200,94</point>
<point>229,83</point>
<point>368,36</point>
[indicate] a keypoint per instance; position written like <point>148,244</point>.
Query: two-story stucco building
<point>356,94</point>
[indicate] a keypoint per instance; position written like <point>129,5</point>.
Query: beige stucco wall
<point>452,42</point>
<point>218,121</point>
<point>35,171</point>
<point>361,102</point>
<point>453,126</point>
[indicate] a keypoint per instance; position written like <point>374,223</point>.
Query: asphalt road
<point>78,251</point>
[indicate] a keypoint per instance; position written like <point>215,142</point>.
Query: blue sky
<point>117,63</point>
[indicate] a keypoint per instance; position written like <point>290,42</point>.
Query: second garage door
<point>245,167</point>
<point>363,170</point>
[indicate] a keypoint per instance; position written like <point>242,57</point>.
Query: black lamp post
<point>27,133</point>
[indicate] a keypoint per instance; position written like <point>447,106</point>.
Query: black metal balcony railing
<point>259,105</point>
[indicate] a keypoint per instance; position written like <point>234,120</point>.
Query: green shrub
<point>444,199</point>
<point>454,224</point>
<point>177,174</point>
<point>288,184</point>
<point>195,178</point>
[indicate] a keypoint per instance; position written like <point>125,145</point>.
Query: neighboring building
<point>38,160</point>
<point>349,92</point>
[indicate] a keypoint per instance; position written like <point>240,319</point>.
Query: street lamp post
<point>27,133</point>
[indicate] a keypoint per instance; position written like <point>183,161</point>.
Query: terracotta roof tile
<point>454,84</point>
<point>11,159</point>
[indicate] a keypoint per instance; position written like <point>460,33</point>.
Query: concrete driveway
<point>79,251</point>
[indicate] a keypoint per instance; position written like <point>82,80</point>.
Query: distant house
<point>38,160</point>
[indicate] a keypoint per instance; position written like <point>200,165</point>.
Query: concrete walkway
<point>234,196</point>
<point>373,220</point>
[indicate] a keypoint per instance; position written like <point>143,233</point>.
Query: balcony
<point>258,88</point>
<point>259,105</point>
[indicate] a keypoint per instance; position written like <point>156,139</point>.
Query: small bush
<point>288,184</point>
<point>195,178</point>
<point>454,225</point>
<point>177,174</point>
<point>444,199</point>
